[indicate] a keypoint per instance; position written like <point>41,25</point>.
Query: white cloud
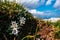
<point>48,2</point>
<point>31,3</point>
<point>26,1</point>
<point>43,13</point>
<point>57,4</point>
<point>52,19</point>
<point>33,11</point>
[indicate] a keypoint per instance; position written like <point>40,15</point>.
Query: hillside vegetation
<point>16,23</point>
<point>57,26</point>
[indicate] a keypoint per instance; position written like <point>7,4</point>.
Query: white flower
<point>14,27</point>
<point>15,32</point>
<point>22,20</point>
<point>14,24</point>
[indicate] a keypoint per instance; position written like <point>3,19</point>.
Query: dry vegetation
<point>46,31</point>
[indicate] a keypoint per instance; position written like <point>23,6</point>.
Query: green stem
<point>27,37</point>
<point>35,33</point>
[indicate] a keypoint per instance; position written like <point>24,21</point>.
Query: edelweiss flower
<point>22,20</point>
<point>14,27</point>
<point>14,24</point>
<point>15,32</point>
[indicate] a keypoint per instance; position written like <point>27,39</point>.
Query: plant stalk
<point>15,38</point>
<point>35,33</point>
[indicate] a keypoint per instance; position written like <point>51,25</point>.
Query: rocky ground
<point>46,31</point>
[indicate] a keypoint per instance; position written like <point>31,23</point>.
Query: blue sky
<point>42,8</point>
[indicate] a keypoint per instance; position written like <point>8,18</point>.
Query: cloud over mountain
<point>52,19</point>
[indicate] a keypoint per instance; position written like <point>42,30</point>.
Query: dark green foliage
<point>56,23</point>
<point>57,35</point>
<point>10,11</point>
